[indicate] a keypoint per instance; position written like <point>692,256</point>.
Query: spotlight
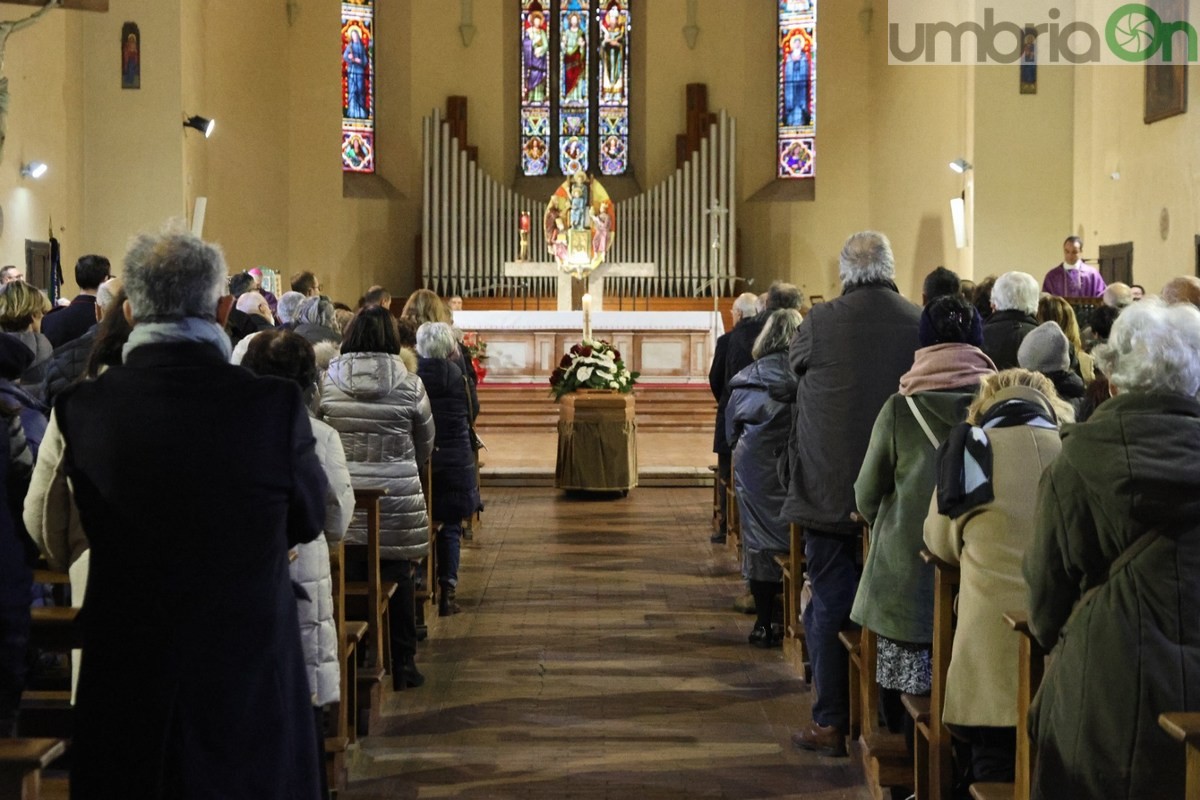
<point>34,169</point>
<point>202,124</point>
<point>961,165</point>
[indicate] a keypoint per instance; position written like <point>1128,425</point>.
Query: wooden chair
<point>933,758</point>
<point>21,765</point>
<point>1031,667</point>
<point>884,755</point>
<point>1185,727</point>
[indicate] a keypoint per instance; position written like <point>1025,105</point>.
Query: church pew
<point>792,564</point>
<point>733,522</point>
<point>1185,727</point>
<point>884,755</point>
<point>1031,666</point>
<point>718,487</point>
<point>21,765</point>
<point>338,728</point>
<point>366,601</point>
<point>431,566</point>
<point>933,760</point>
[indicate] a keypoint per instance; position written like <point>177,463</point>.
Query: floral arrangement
<point>475,345</point>
<point>591,365</point>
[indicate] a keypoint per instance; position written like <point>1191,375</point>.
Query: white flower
<point>605,376</point>
<point>583,374</point>
<point>613,385</point>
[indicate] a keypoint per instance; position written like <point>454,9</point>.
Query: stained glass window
<point>797,102</point>
<point>574,86</point>
<point>358,85</point>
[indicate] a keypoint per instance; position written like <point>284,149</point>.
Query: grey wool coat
<point>849,355</point>
<point>1124,624</point>
<point>382,414</point>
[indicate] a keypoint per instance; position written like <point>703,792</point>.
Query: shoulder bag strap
<point>912,405</point>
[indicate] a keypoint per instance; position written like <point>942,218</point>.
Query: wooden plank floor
<point>597,657</point>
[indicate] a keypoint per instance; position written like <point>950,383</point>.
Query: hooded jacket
<point>1129,650</point>
<point>456,494</point>
<point>382,413</point>
<point>757,427</point>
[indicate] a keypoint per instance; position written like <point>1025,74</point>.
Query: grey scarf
<point>188,329</point>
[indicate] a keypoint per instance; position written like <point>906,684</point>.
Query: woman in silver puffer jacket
<point>381,411</point>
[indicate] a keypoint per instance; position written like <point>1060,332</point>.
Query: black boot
<point>446,605</point>
<point>407,676</point>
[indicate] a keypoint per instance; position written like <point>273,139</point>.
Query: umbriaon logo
<point>971,32</point>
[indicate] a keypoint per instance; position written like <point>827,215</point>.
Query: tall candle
<point>587,317</point>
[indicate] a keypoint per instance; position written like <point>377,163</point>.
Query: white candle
<point>587,317</point>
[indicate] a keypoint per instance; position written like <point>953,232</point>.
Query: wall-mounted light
<point>961,165</point>
<point>202,124</point>
<point>34,169</point>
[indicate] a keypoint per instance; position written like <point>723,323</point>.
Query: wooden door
<point>1116,262</point>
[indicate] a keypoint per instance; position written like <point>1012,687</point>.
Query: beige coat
<point>989,543</point>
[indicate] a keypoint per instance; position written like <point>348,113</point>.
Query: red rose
<point>585,351</point>
<point>616,354</point>
<point>557,377</point>
<point>575,349</point>
<point>566,362</point>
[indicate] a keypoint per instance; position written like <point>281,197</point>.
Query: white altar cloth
<point>601,321</point>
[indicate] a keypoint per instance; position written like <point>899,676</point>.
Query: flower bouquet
<point>591,365</point>
<point>477,349</point>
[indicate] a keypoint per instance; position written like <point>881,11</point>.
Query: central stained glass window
<point>574,86</point>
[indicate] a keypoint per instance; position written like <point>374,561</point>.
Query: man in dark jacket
<point>64,324</point>
<point>744,310</point>
<point>1014,303</point>
<point>70,361</point>
<point>849,355</point>
<point>219,705</point>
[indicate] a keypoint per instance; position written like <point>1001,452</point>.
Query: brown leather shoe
<point>828,740</point>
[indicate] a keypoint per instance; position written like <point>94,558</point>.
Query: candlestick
<point>587,317</point>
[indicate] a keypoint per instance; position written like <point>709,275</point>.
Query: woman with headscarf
<point>980,518</point>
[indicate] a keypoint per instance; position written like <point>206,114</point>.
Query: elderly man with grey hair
<point>286,308</point>
<point>1014,306</point>
<point>849,355</point>
<point>143,459</point>
<point>1114,559</point>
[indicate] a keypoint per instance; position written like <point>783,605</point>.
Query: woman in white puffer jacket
<point>381,411</point>
<point>286,355</point>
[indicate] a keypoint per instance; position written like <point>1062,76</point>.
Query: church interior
<point>597,654</point>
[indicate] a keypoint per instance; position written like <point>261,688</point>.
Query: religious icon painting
<point>358,85</point>
<point>1029,62</point>
<point>131,56</point>
<point>796,117</point>
<point>535,133</point>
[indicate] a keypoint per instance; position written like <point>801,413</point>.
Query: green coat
<point>895,595</point>
<point>1130,650</point>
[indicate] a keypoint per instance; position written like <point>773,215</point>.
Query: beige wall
<point>1159,168</point>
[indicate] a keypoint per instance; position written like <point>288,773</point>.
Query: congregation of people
<point>182,434</point>
<point>1055,467</point>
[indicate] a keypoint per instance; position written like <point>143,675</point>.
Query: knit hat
<point>1045,349</point>
<point>950,319</point>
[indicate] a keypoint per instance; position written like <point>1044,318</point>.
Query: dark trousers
<point>449,545</point>
<point>319,716</point>
<point>833,571</point>
<point>993,752</point>
<point>724,475</point>
<point>764,593</point>
<point>402,607</point>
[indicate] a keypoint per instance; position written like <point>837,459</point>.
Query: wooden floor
<point>597,657</point>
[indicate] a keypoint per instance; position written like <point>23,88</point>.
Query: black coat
<point>64,324</point>
<point>455,491</point>
<point>732,354</point>
<point>849,355</point>
<point>67,365</point>
<point>194,683</point>
<point>1003,333</point>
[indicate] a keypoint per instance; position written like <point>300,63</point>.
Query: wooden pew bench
<point>21,765</point>
<point>793,565</point>
<point>1185,727</point>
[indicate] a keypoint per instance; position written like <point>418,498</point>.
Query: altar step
<point>526,407</point>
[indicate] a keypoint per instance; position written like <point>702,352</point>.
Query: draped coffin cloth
<point>597,442</point>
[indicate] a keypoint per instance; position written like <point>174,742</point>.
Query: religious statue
<point>579,223</point>
<point>536,52</point>
<point>357,66</point>
<point>8,29</point>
